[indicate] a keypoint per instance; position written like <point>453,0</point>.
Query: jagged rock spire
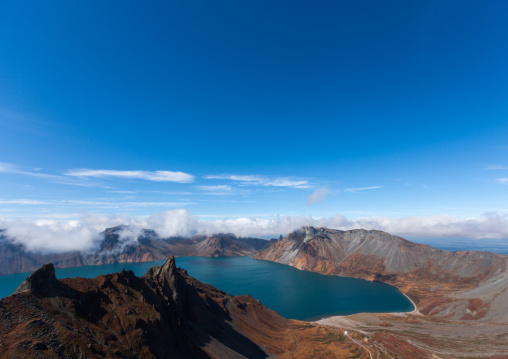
<point>167,277</point>
<point>41,281</point>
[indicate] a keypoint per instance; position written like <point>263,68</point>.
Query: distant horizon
<point>62,235</point>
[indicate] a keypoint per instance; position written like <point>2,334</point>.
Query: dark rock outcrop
<point>42,281</point>
<point>165,314</point>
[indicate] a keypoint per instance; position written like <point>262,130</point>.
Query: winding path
<point>368,351</point>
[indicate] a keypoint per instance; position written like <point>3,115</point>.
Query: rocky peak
<point>116,229</point>
<point>167,270</point>
<point>42,281</point>
<point>223,237</point>
<point>310,230</point>
<point>217,240</point>
<point>307,233</point>
<point>167,278</point>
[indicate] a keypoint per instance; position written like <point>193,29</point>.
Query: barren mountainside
<point>333,250</point>
<point>440,282</point>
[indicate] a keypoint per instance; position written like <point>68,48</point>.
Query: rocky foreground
<point>165,314</point>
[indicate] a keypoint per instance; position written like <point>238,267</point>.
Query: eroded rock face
<point>367,253</point>
<point>165,314</point>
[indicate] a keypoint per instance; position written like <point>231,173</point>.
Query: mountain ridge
<point>164,314</point>
<point>112,248</point>
<point>440,282</point>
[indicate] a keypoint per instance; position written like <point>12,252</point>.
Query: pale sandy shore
<point>343,321</point>
<point>340,322</point>
<point>414,311</point>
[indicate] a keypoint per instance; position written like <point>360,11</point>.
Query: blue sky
<point>230,109</point>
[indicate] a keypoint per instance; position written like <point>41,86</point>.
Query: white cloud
<point>56,236</point>
<point>318,195</point>
<point>7,167</point>
<point>111,203</point>
<point>117,204</point>
<point>502,180</point>
<point>63,235</point>
<point>243,178</point>
<point>490,225</point>
<point>222,190</point>
<point>496,167</point>
<point>52,236</point>
<point>219,188</point>
<point>10,168</point>
<point>155,176</point>
<point>122,192</point>
<point>285,182</point>
<point>59,215</point>
<point>178,222</point>
<point>257,180</point>
<point>23,201</point>
<point>353,190</point>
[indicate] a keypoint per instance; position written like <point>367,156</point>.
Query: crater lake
<point>293,293</point>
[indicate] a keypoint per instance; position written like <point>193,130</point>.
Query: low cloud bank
<point>56,236</point>
<point>61,236</point>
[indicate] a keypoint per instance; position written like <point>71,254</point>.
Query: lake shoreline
<point>295,294</point>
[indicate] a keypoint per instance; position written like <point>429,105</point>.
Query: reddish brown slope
<point>165,314</point>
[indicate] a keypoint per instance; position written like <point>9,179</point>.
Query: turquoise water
<point>293,293</point>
